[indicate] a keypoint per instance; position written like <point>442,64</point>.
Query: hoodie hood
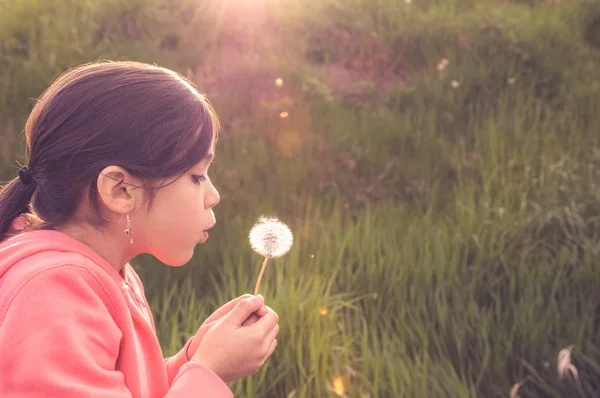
<point>26,244</point>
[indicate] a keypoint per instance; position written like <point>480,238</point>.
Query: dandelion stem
<point>262,271</point>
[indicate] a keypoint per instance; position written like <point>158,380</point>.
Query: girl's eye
<point>199,178</point>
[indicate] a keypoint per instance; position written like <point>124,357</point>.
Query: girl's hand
<point>232,350</point>
<point>218,314</point>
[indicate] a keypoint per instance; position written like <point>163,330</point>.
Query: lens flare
<point>338,385</point>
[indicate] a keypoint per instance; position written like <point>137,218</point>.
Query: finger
<point>270,350</point>
<point>195,343</point>
<point>226,308</point>
<point>272,334</point>
<point>269,309</point>
<point>251,319</point>
<point>266,323</point>
<point>244,309</point>
<point>205,328</point>
<point>256,315</point>
<point>262,311</point>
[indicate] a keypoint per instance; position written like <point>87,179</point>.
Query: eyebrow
<point>209,156</point>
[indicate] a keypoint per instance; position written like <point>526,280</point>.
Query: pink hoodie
<point>72,326</point>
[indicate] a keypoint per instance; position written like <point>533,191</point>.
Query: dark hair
<point>149,120</point>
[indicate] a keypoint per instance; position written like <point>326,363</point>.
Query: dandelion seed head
<point>269,237</point>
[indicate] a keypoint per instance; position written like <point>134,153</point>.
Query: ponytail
<point>14,201</point>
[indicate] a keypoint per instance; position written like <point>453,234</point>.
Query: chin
<point>179,260</point>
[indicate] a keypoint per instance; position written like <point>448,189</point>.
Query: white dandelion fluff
<point>270,238</point>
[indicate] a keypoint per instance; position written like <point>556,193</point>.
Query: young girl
<point>118,160</point>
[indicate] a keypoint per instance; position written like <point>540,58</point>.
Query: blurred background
<point>437,160</point>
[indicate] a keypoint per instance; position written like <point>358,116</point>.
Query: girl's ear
<point>118,190</point>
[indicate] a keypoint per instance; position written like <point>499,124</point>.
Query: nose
<point>212,198</point>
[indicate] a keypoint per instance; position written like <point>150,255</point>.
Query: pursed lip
<point>205,234</point>
<point>211,227</point>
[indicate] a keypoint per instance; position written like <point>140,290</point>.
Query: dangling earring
<point>128,229</point>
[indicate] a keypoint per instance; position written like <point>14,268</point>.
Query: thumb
<point>244,309</point>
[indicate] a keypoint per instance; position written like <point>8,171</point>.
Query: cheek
<point>191,203</point>
<point>178,207</point>
<point>175,212</point>
<point>187,212</point>
<point>187,208</point>
<point>174,233</point>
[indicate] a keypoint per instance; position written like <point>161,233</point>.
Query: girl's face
<point>180,217</point>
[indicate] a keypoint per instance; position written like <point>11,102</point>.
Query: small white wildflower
<point>443,64</point>
<point>512,80</point>
<point>564,365</point>
<point>455,84</point>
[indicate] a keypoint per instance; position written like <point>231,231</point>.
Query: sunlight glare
<point>338,385</point>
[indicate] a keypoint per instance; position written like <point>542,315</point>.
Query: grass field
<point>437,161</point>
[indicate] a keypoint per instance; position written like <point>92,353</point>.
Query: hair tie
<point>25,175</point>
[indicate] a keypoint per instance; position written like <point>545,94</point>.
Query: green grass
<point>452,233</point>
